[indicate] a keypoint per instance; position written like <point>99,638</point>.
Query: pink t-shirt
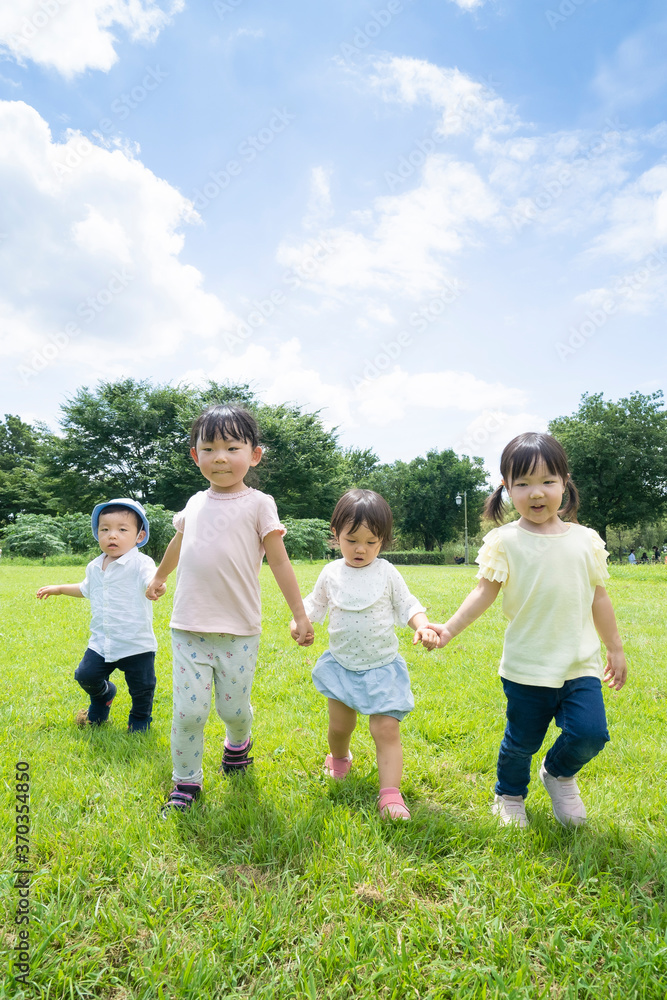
<point>217,586</point>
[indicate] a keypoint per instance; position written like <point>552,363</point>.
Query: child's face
<point>537,496</point>
<point>359,547</point>
<point>117,533</point>
<point>225,462</point>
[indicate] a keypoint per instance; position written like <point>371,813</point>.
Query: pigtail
<point>569,511</point>
<point>494,508</point>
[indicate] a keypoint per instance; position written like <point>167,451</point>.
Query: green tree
<point>422,496</point>
<point>430,510</point>
<point>357,465</point>
<point>24,483</point>
<point>117,441</point>
<point>300,466</point>
<point>618,458</point>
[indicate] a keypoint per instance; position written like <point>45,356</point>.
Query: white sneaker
<point>510,809</point>
<point>568,808</point>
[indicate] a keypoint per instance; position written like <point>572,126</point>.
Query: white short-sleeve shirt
<point>122,616</point>
<point>364,604</point>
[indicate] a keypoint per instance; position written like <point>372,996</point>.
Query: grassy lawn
<point>285,885</point>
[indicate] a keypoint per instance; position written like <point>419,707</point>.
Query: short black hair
<point>119,508</point>
<point>363,507</point>
<point>225,420</point>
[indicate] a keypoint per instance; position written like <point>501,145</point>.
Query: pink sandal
<point>391,804</point>
<point>337,767</point>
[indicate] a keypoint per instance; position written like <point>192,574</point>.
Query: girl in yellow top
<point>552,575</point>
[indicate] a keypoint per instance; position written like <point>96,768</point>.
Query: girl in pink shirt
<point>221,538</point>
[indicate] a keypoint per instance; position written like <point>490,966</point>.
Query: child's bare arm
<point>59,590</point>
<point>158,584</point>
<point>423,631</point>
<point>281,567</point>
<point>616,670</point>
<point>476,603</point>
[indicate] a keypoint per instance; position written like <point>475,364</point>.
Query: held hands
<point>51,591</point>
<point>427,636</point>
<point>302,632</point>
<point>616,670</point>
<point>432,636</point>
<point>155,589</point>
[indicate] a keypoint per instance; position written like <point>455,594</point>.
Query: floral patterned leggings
<point>202,660</point>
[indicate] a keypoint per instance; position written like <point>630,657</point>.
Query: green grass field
<point>284,885</point>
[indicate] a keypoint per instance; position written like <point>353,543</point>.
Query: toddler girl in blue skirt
<point>362,671</point>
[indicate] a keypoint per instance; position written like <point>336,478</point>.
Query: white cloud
<point>91,250</point>
<point>402,244</point>
<point>637,71</point>
<point>489,433</point>
<point>71,36</point>
<point>284,375</point>
<point>386,399</point>
<point>466,104</point>
<point>319,208</point>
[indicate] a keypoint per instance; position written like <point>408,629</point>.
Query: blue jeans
<point>93,675</point>
<point>578,710</point>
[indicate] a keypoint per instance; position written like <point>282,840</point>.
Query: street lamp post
<point>465,518</point>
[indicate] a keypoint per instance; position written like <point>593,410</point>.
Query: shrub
<point>307,537</point>
<point>34,535</point>
<point>162,529</point>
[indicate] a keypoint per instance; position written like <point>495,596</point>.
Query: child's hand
<point>616,671</point>
<point>427,636</point>
<point>303,632</point>
<point>44,592</point>
<point>443,635</point>
<point>155,589</point>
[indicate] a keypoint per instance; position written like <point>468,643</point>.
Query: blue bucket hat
<point>122,502</point>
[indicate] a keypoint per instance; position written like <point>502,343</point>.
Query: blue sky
<point>437,221</point>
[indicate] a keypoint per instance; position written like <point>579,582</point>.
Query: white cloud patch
<point>637,71</point>
<point>466,105</point>
<point>284,375</point>
<point>90,258</point>
<point>71,36</point>
<point>387,399</point>
<point>403,243</point>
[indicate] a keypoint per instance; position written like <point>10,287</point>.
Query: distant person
<point>221,537</point>
<point>644,557</point>
<point>656,554</point>
<point>362,671</point>
<point>121,628</point>
<point>632,558</point>
<point>552,575</point>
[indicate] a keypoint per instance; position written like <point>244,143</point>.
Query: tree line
<point>131,438</point>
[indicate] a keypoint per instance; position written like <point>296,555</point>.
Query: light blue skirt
<point>378,691</point>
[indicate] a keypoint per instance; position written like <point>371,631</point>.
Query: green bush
<point>418,557</point>
<point>75,531</point>
<point>162,529</point>
<point>33,535</point>
<point>307,537</point>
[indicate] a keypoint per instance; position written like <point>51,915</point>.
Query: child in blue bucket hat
<point>121,628</point>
